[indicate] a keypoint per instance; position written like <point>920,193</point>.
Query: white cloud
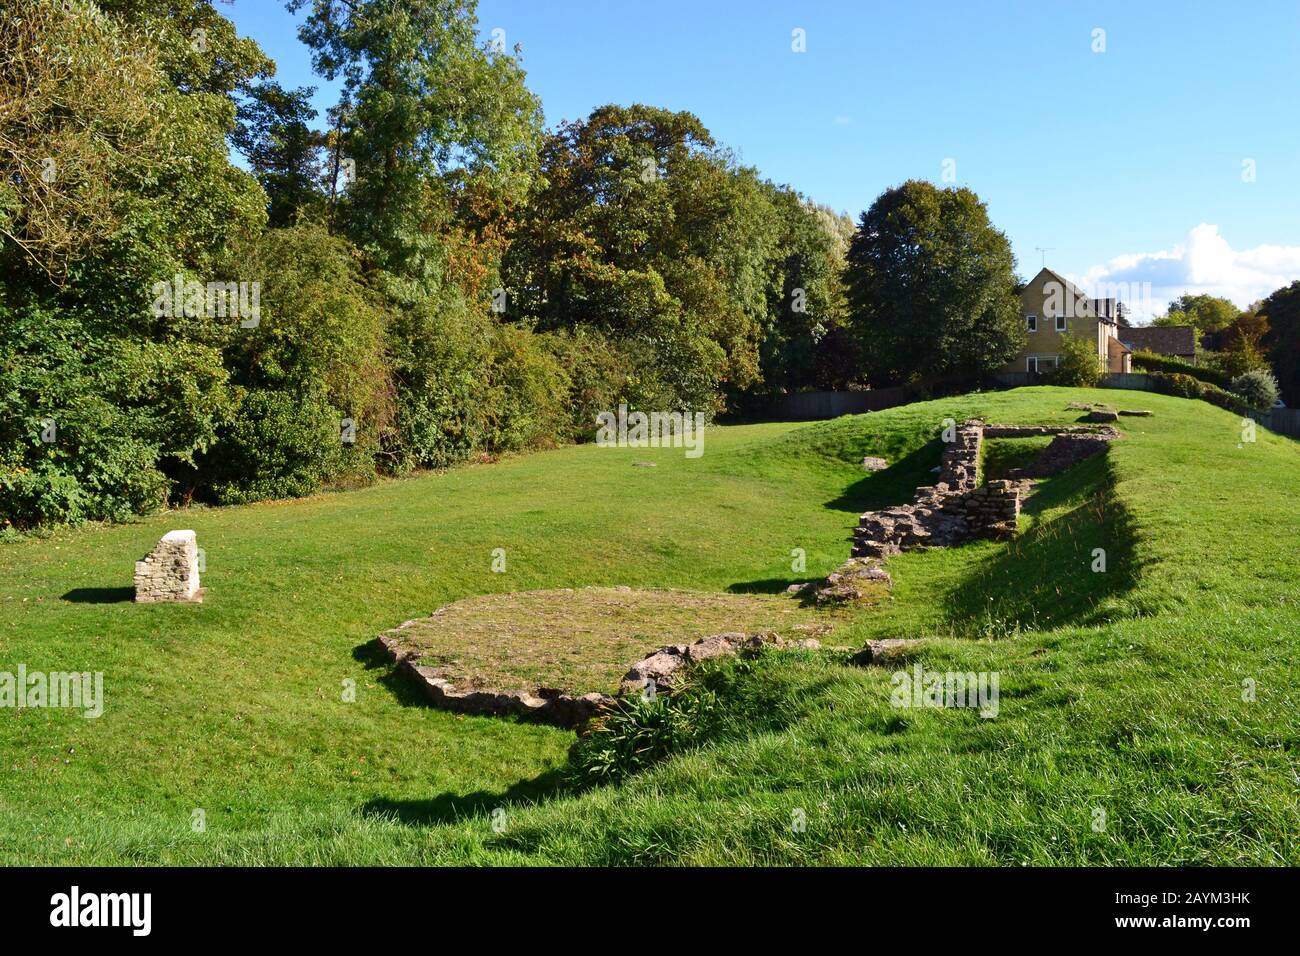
<point>1203,263</point>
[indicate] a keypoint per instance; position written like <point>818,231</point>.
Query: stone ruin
<point>170,572</point>
<point>957,508</point>
<point>659,669</point>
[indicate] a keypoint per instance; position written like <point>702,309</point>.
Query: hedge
<point>1163,363</point>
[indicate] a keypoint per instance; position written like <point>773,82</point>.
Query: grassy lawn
<point>1122,690</point>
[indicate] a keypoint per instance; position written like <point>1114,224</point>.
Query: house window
<point>1032,322</point>
<point>1040,363</point>
<point>1060,323</point>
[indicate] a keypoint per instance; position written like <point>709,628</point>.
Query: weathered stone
<point>170,572</point>
<point>1136,412</point>
<point>886,651</point>
<point>874,464</point>
<point>1102,415</point>
<point>955,508</point>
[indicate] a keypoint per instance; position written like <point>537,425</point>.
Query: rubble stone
<point>170,572</point>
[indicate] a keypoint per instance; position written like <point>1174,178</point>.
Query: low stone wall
<point>544,704</point>
<point>170,572</point>
<point>956,508</point>
<point>660,669</point>
<point>940,517</point>
<point>959,467</point>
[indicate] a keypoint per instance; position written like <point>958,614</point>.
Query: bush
<point>439,352</point>
<point>1184,386</point>
<point>1079,365</point>
<point>598,373</point>
<point>281,445</point>
<point>1178,384</point>
<point>526,400</point>
<point>639,732</point>
<point>1257,387</point>
<point>87,421</point>
<point>1151,362</point>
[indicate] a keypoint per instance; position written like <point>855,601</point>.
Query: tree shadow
<point>450,807</point>
<point>100,595</point>
<point>895,485</point>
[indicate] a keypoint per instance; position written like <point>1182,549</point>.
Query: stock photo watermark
<point>622,429</point>
<point>70,690</point>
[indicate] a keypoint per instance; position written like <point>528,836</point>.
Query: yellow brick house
<point>1052,307</point>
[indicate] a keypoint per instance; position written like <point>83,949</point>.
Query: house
<point>1052,307</point>
<point>1178,341</point>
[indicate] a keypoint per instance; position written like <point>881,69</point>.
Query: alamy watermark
<point>653,430</point>
<point>922,688</point>
<point>71,689</point>
<point>239,300</point>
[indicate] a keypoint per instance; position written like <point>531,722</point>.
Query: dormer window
<point>1031,321</point>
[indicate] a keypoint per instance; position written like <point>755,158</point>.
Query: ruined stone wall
<point>956,508</point>
<point>170,572</point>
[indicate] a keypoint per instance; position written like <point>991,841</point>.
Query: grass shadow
<point>1072,569</point>
<point>372,656</point>
<point>100,595</point>
<point>450,807</point>
<point>895,485</point>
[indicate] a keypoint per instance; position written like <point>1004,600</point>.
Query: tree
<point>1258,387</point>
<point>1080,365</point>
<point>1205,313</point>
<point>275,135</point>
<point>931,286</point>
<point>643,230</point>
<point>1282,341</point>
<point>427,114</point>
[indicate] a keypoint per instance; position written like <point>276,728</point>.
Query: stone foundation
<point>170,572</point>
<point>661,668</point>
<point>957,508</point>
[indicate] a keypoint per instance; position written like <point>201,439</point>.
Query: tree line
<point>434,274</point>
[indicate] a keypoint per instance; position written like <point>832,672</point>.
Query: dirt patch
<point>583,640</point>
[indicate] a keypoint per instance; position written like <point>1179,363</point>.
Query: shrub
<point>526,400</point>
<point>281,445</point>
<point>598,373</point>
<point>1152,362</point>
<point>1176,383</point>
<point>639,732</point>
<point>1257,387</point>
<point>1079,365</point>
<point>1184,386</point>
<point>439,350</point>
<point>321,330</point>
<point>88,421</point>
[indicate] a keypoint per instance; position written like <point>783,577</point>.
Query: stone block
<point>170,572</point>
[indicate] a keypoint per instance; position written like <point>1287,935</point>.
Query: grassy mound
<point>584,639</point>
<point>1148,710</point>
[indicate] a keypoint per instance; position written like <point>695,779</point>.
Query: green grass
<point>1121,691</point>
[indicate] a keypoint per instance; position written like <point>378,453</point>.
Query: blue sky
<point>1132,164</point>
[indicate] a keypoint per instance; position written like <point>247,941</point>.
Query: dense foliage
<point>1079,364</point>
<point>427,274</point>
<point>932,287</point>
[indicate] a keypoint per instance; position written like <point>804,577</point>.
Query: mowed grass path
<point>1122,691</point>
